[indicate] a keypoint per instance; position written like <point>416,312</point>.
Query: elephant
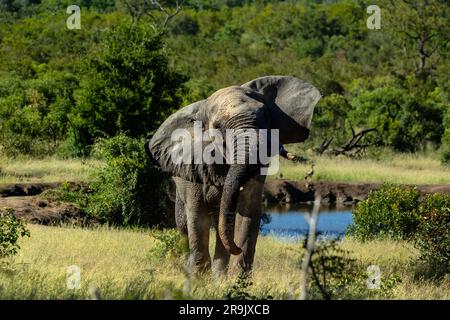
<point>227,195</point>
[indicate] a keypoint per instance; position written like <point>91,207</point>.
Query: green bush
<point>335,274</point>
<point>404,120</point>
<point>433,232</point>
<point>128,189</point>
<point>71,193</point>
<point>388,212</point>
<point>240,289</point>
<point>170,243</point>
<point>445,147</point>
<point>33,113</point>
<point>396,212</point>
<point>11,229</point>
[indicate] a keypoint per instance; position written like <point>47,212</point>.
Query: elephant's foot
<point>198,263</point>
<point>221,258</point>
<point>241,264</point>
<point>220,266</point>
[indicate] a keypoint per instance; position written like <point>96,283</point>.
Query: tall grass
<point>116,262</point>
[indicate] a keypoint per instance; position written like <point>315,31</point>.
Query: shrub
<point>388,212</point>
<point>239,290</point>
<point>433,233</point>
<point>331,268</point>
<point>128,189</point>
<point>11,229</point>
<point>335,274</point>
<point>445,147</point>
<point>170,243</point>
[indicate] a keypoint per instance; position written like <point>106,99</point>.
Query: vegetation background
<point>124,72</point>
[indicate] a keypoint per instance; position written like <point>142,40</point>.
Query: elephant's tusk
<point>286,154</point>
<point>291,156</point>
<point>241,188</point>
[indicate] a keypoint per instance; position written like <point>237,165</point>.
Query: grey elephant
<point>227,194</point>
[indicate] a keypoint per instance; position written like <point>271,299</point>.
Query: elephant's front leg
<point>247,223</point>
<point>198,225</point>
<point>180,216</point>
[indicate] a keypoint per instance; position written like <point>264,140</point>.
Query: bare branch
<point>310,247</point>
<point>139,8</point>
<point>352,145</point>
<point>324,145</point>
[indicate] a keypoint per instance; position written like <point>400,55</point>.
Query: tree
<point>404,121</point>
<point>330,118</point>
<point>445,142</point>
<point>419,30</point>
<point>128,87</point>
<point>168,9</point>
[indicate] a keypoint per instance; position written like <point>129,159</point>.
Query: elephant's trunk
<point>235,179</point>
<point>245,145</point>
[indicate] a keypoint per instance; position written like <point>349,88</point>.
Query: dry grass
<point>404,169</point>
<point>116,262</point>
<point>394,168</point>
<point>45,170</point>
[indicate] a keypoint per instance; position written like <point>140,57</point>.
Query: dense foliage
<point>388,212</point>
<point>11,230</point>
<point>433,234</point>
<point>61,89</point>
<point>127,87</point>
<point>128,190</point>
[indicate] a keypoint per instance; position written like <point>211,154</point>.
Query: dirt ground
<point>292,191</point>
<point>36,210</point>
<point>25,201</point>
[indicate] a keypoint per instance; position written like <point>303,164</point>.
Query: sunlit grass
<point>45,170</point>
<point>406,169</point>
<point>395,168</point>
<point>116,262</point>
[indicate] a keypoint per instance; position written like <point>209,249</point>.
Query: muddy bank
<point>24,199</point>
<point>30,189</point>
<point>345,193</point>
<point>36,210</point>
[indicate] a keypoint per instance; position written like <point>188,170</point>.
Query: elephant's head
<point>272,102</point>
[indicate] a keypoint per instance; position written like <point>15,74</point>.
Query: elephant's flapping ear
<point>291,102</point>
<point>171,138</point>
<point>149,153</point>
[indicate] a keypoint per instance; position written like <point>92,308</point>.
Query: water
<point>288,222</point>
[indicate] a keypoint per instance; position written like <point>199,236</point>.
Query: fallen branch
<point>324,145</point>
<point>354,144</point>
